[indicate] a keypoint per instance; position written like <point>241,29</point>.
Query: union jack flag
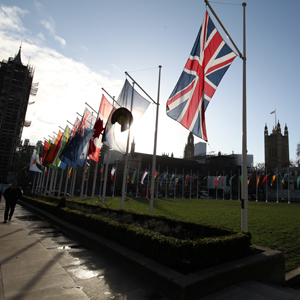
<point>208,62</point>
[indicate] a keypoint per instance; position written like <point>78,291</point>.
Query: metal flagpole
<point>60,183</point>
<point>191,184</point>
<point>73,185</point>
<point>256,185</point>
<point>217,187</point>
<point>51,182</point>
<point>39,182</point>
<point>149,174</point>
<point>175,177</point>
<point>45,192</point>
<point>157,181</point>
<point>126,157</point>
<point>66,182</point>
<point>223,184</point>
<point>208,185</point>
<point>197,183</point>
<point>54,184</point>
<point>33,184</point>
<point>87,179</point>
<point>101,179</point>
<point>182,186</point>
<point>42,183</point>
<point>266,184</point>
<point>166,194</point>
<point>105,177</point>
<point>277,186</point>
<point>244,213</point>
<point>115,179</point>
<point>154,148</point>
<point>83,179</point>
<point>289,185</point>
<point>94,182</point>
<point>137,183</point>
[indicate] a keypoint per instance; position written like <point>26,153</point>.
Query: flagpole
<point>126,157</point>
<point>33,184</point>
<point>94,182</point>
<point>154,148</point>
<point>105,177</point>
<point>289,185</point>
<point>266,184</point>
<point>277,186</point>
<point>244,214</point>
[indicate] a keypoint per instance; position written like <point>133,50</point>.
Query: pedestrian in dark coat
<point>11,195</point>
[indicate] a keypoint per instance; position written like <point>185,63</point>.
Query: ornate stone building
<point>276,148</point>
<point>189,147</point>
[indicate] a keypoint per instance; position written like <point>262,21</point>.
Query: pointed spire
<point>18,57</point>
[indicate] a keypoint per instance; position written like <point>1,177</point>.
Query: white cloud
<point>10,18</point>
<point>38,6</point>
<point>50,26</point>
<point>41,36</point>
<point>64,84</point>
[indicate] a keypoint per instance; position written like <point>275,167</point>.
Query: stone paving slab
<point>24,267</point>
<point>57,293</point>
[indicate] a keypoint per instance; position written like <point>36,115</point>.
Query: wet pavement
<point>39,261</point>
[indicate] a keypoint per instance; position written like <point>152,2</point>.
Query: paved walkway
<point>39,261</point>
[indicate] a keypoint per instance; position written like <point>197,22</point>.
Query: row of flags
<point>72,146</point>
<point>208,62</point>
<point>163,176</point>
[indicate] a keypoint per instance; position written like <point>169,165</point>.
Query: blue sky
<point>78,47</point>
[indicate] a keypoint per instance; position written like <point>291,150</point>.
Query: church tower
<point>189,147</point>
<point>276,147</point>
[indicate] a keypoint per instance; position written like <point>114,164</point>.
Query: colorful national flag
<point>208,62</point>
<point>52,154</point>
<point>35,165</point>
<point>258,179</point>
<point>249,178</point>
<point>216,180</point>
<point>96,141</point>
<point>172,177</point>
<point>230,180</point>
<point>285,176</point>
<point>265,178</point>
<point>128,98</point>
<point>133,176</point>
<point>163,177</point>
<point>187,177</point>
<point>112,174</point>
<point>273,112</point>
<point>273,179</point>
<point>177,179</point>
<point>144,176</point>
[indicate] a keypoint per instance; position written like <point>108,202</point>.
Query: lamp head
<point>124,117</point>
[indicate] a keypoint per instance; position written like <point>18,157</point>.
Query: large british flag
<point>209,60</point>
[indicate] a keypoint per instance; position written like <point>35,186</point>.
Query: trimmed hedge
<point>213,246</point>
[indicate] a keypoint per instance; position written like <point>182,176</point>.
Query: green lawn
<point>274,225</point>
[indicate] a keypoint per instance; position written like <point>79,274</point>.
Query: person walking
<point>11,196</point>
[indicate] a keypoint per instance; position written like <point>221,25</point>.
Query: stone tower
<point>189,147</point>
<point>276,147</point>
